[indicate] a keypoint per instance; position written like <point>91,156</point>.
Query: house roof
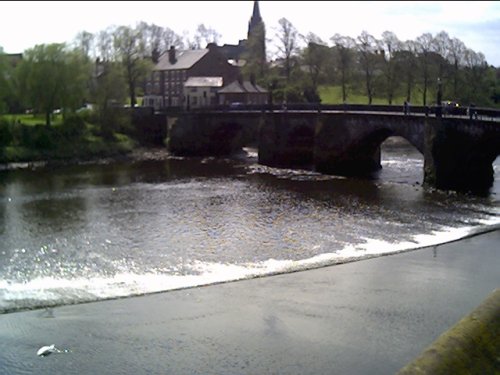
<point>242,87</point>
<point>184,59</point>
<point>204,82</point>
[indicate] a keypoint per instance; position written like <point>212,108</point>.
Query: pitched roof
<point>184,59</point>
<point>204,82</point>
<point>243,87</point>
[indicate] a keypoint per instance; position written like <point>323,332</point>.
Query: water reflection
<point>124,228</point>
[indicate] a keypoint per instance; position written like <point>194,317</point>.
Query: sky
<point>24,24</point>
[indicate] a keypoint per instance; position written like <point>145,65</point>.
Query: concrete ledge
<point>472,346</point>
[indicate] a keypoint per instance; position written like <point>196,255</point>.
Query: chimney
<point>155,55</point>
<point>171,55</point>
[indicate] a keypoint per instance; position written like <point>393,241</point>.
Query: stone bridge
<point>458,151</point>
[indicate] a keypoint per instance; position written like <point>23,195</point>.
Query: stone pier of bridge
<point>458,153</point>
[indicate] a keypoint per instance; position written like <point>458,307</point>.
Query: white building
<point>201,91</point>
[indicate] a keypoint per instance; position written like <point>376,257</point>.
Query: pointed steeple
<point>256,18</point>
<point>256,12</point>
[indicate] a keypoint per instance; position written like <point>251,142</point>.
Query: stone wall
<point>471,347</point>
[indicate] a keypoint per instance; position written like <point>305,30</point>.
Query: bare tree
<point>288,37</point>
<point>344,51</point>
<point>171,38</point>
<point>425,49</point>
<point>456,57</point>
<point>104,44</point>
<point>130,51</point>
<point>84,42</point>
<point>205,35</point>
<point>368,49</point>
<point>391,45</point>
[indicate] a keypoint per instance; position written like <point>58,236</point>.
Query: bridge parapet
<point>458,152</point>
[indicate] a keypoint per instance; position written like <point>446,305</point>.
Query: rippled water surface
<point>88,232</point>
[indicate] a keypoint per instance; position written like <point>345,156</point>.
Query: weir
<point>458,152</point>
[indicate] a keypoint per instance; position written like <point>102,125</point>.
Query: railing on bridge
<point>471,112</point>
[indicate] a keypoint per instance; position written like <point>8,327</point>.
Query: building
<point>165,89</point>
<point>254,47</point>
<point>242,92</point>
<point>201,91</point>
<point>166,86</point>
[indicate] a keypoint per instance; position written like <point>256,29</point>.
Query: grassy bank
<point>23,139</point>
<point>333,95</point>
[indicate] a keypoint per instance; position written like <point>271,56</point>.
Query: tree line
<point>111,66</point>
<point>385,68</point>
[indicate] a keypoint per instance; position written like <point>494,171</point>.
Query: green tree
<point>407,61</point>
<point>315,56</point>
<point>5,81</point>
<point>130,52</point>
<point>109,91</point>
<point>52,77</point>
<point>288,46</point>
<point>344,53</point>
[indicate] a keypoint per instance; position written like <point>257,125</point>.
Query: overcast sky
<point>24,24</point>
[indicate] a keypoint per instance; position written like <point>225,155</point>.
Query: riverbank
<point>366,317</point>
<point>135,154</point>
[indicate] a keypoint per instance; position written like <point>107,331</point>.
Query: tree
<point>287,35</point>
<point>407,59</point>
<point>315,56</point>
<point>104,44</point>
<point>424,50</point>
<point>475,72</point>
<point>456,57</point>
<point>130,52</point>
<point>171,38</point>
<point>391,45</point>
<point>344,52</point>
<point>5,81</point>
<point>205,35</point>
<point>84,41</point>
<point>157,39</point>
<point>52,77</point>
<point>368,61</point>
<point>109,92</point>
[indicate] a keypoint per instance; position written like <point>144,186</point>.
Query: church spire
<point>256,18</point>
<point>256,12</point>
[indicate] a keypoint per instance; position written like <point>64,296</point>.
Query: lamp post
<point>439,108</point>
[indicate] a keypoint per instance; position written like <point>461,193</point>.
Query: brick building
<point>165,89</point>
<point>242,92</point>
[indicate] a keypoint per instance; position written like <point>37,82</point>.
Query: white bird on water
<point>49,349</point>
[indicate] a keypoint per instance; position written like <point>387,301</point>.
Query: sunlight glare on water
<point>91,232</point>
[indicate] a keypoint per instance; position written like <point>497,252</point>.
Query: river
<point>88,232</point>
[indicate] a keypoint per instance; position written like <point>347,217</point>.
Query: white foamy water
<point>47,291</point>
<point>98,232</point>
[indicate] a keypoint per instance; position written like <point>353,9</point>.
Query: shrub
<point>6,136</point>
<point>73,127</point>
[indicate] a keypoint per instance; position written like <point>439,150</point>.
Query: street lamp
<point>439,99</point>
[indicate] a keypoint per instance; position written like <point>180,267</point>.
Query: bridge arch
<point>401,162</point>
<point>349,145</point>
<point>458,152</point>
